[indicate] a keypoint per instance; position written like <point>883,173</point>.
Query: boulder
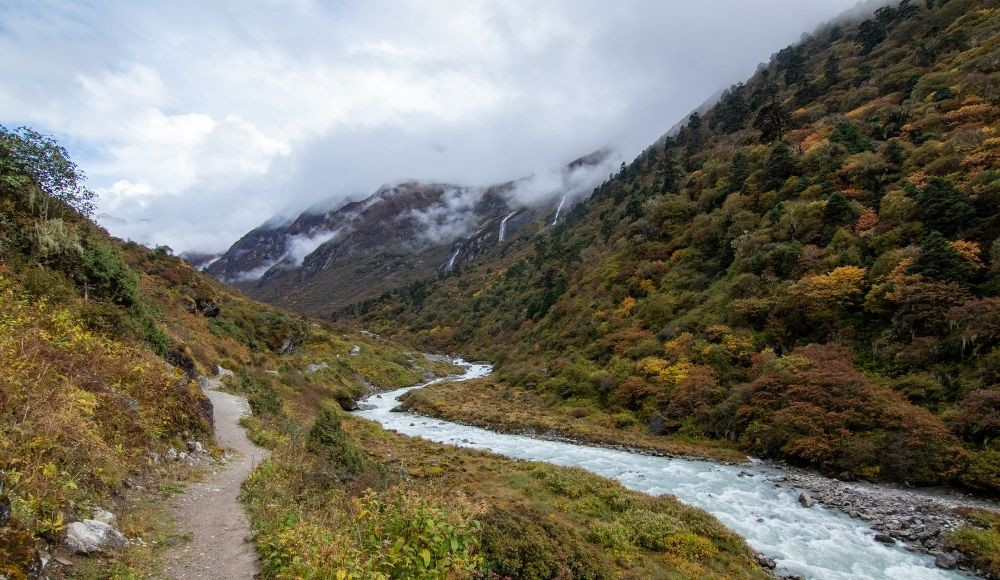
<point>207,307</point>
<point>946,561</point>
<point>91,536</point>
<point>355,350</point>
<point>806,500</point>
<point>766,562</point>
<point>347,403</point>
<point>884,538</point>
<point>315,367</point>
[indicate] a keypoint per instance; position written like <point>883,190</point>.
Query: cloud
<point>451,218</point>
<point>198,121</point>
<point>298,247</point>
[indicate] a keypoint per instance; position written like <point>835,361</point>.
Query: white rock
<point>104,516</point>
<point>93,536</point>
<point>355,350</point>
<point>314,367</point>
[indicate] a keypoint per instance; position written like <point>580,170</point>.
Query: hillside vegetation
<point>102,343</point>
<point>807,271</point>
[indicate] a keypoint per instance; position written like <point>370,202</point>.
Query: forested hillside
<point>810,270</point>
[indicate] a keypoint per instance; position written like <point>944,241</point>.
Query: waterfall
<point>451,262</point>
<point>503,224</point>
<point>559,209</point>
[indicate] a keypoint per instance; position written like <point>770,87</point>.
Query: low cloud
<point>199,121</point>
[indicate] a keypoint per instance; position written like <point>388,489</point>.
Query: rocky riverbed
<point>918,519</point>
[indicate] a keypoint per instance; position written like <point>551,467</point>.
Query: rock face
<point>91,536</point>
<point>806,500</point>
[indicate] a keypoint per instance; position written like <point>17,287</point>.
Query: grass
<point>486,403</point>
<point>979,541</point>
<point>313,515</point>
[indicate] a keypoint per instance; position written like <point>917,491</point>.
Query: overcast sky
<point>196,121</point>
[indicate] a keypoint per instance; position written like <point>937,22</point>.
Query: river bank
<point>752,499</point>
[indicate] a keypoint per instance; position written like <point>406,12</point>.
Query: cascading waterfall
<point>451,262</point>
<point>503,224</point>
<point>816,542</point>
<point>559,209</point>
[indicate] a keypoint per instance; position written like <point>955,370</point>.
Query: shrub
<point>980,541</point>
<point>261,396</point>
<point>327,439</point>
<point>530,545</point>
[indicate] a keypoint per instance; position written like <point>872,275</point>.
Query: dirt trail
<point>210,511</point>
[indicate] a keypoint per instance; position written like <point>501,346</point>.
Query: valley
<point>766,345</point>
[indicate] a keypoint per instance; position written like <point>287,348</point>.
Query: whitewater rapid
<point>813,542</point>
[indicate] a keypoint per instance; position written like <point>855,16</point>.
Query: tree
<point>794,65</point>
<point>943,207</point>
<point>870,34</point>
<point>729,115</point>
<point>739,170</point>
<point>831,69</point>
<point>838,210</point>
<point>825,297</point>
<point>27,153</point>
<point>772,121</point>
<point>939,260</point>
<point>780,166</point>
<point>848,135</point>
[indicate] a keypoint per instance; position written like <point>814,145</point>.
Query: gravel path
<point>210,510</point>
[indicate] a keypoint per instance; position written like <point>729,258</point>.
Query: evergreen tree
<point>939,260</point>
<point>739,170</point>
<point>780,166</point>
<point>831,69</point>
<point>870,34</point>
<point>838,210</point>
<point>794,66</point>
<point>731,112</point>
<point>943,207</point>
<point>772,121</point>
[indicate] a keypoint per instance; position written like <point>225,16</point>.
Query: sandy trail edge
<point>210,510</point>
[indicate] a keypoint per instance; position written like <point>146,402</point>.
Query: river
<point>813,542</point>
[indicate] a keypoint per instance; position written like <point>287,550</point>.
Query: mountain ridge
<point>402,233</point>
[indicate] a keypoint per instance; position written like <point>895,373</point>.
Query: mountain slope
<point>323,261</point>
<point>808,271</point>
